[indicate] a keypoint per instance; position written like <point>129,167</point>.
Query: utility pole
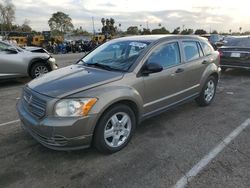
<point>93,25</point>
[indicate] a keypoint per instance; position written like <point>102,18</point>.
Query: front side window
<point>115,55</point>
<point>191,50</point>
<point>166,55</point>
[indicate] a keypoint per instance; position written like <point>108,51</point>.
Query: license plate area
<point>235,54</point>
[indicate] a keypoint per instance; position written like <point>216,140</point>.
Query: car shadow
<point>11,83</point>
<point>236,72</point>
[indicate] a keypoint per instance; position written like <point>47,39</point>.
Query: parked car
<point>103,97</point>
<point>17,62</point>
<point>235,53</point>
<point>215,40</point>
<point>35,49</point>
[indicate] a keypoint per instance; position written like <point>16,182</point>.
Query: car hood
<point>72,79</point>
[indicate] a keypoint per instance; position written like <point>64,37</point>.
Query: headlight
<point>74,107</point>
<point>52,60</point>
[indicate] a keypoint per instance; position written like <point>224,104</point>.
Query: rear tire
<point>208,92</point>
<point>38,69</point>
<point>114,129</point>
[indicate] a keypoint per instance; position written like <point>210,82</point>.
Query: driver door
<point>162,89</point>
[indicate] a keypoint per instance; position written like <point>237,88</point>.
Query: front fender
<point>111,95</point>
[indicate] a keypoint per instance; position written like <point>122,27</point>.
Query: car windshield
<point>240,42</point>
<point>117,56</point>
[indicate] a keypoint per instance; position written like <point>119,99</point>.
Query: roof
<point>151,38</point>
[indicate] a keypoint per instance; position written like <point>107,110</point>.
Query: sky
<point>220,15</point>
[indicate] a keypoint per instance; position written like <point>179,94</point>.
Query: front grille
<point>34,104</point>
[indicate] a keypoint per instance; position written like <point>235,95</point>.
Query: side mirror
<point>11,50</point>
<point>151,68</point>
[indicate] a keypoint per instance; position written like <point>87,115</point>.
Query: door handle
<point>205,62</point>
<point>179,70</point>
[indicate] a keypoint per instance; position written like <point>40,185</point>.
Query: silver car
<point>101,99</point>
<point>17,62</point>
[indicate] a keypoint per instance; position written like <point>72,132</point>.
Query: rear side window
<point>191,50</point>
<point>207,49</point>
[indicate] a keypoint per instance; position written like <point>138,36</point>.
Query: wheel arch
<point>34,61</point>
<point>130,103</point>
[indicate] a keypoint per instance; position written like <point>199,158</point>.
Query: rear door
<point>197,57</point>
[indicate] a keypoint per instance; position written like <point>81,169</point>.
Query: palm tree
<point>107,22</point>
<point>112,21</point>
<point>103,21</point>
<point>240,29</point>
<point>230,31</point>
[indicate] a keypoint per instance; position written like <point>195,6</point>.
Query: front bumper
<point>58,133</point>
<point>52,63</point>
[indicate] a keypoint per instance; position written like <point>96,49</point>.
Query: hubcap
<point>40,70</point>
<point>117,129</point>
<point>209,92</point>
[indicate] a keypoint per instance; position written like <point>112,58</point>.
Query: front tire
<point>38,69</point>
<point>114,129</point>
<point>208,92</point>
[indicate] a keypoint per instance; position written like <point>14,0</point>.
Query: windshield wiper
<point>99,65</point>
<point>102,66</point>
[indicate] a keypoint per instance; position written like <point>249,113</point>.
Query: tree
<point>108,27</point>
<point>146,31</point>
<point>200,32</point>
<point>176,30</point>
<point>26,26</point>
<point>240,28</point>
<point>162,30</point>
<point>112,22</point>
<point>187,31</point>
<point>214,32</point>
<point>80,32</point>
<point>7,15</point>
<point>132,30</point>
<point>103,21</point>
<point>60,23</point>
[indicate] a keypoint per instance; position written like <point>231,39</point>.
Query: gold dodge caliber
<point>100,99</point>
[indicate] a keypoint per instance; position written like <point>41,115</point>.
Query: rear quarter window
<point>207,49</point>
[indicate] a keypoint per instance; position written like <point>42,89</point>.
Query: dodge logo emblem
<point>28,100</point>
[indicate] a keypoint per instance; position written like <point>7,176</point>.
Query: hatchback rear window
<point>240,42</point>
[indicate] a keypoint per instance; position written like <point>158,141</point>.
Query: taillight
<point>220,52</point>
<point>220,55</point>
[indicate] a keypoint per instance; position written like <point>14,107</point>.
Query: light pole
<point>93,25</point>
